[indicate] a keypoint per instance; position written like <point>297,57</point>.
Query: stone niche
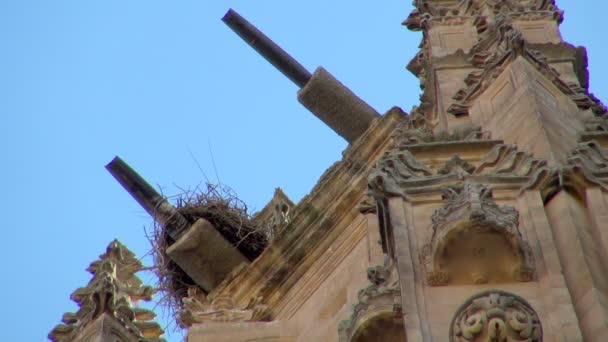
<point>378,314</point>
<point>495,315</point>
<point>475,241</point>
<point>384,326</point>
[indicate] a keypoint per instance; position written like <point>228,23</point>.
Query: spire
<point>106,304</point>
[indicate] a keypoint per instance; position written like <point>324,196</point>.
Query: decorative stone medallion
<point>495,315</point>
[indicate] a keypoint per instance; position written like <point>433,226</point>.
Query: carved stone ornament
<point>587,166</point>
<point>489,51</point>
<point>197,308</point>
<point>406,134</point>
<point>597,124</point>
<point>367,206</point>
<point>505,159</point>
<point>458,166</point>
<point>275,215</point>
<point>496,316</point>
<point>394,169</point>
<point>499,45</point>
<point>382,297</point>
<point>470,213</point>
<point>111,291</point>
<point>398,172</point>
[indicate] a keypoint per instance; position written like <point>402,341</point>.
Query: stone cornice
<point>586,167</point>
<point>401,171</point>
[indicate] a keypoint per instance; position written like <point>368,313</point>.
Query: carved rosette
<point>111,292</point>
<point>496,316</point>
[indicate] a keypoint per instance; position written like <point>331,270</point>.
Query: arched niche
<point>383,326</point>
<point>376,317</point>
<point>495,315</point>
<point>475,241</point>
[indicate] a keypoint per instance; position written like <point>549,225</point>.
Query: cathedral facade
<point>480,215</point>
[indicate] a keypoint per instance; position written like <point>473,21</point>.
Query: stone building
<point>482,215</point>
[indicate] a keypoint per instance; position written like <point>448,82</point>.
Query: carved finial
<point>276,214</point>
<point>111,292</point>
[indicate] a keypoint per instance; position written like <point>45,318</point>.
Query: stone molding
<point>399,173</point>
<point>111,292</point>
<point>495,315</point>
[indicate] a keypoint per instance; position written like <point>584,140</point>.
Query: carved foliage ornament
<point>495,316</point>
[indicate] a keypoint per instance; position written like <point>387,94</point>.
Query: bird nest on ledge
<point>219,205</point>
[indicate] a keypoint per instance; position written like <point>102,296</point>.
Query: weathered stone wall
<point>522,107</point>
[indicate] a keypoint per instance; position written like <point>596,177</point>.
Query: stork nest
<point>219,205</point>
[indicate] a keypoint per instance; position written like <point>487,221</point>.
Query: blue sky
<point>165,85</point>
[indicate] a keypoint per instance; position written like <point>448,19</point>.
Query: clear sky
<point>165,85</point>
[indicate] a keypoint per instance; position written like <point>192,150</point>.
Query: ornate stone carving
<point>428,13</point>
<point>472,201</point>
<point>381,297</point>
<point>506,159</point>
<point>496,316</point>
<point>367,206</point>
<point>529,10</point>
<point>470,209</point>
<point>276,214</point>
<point>597,124</point>
<point>111,291</point>
<point>587,165</point>
<point>394,168</point>
<point>197,308</point>
<point>500,44</point>
<point>405,135</point>
<point>457,166</point>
